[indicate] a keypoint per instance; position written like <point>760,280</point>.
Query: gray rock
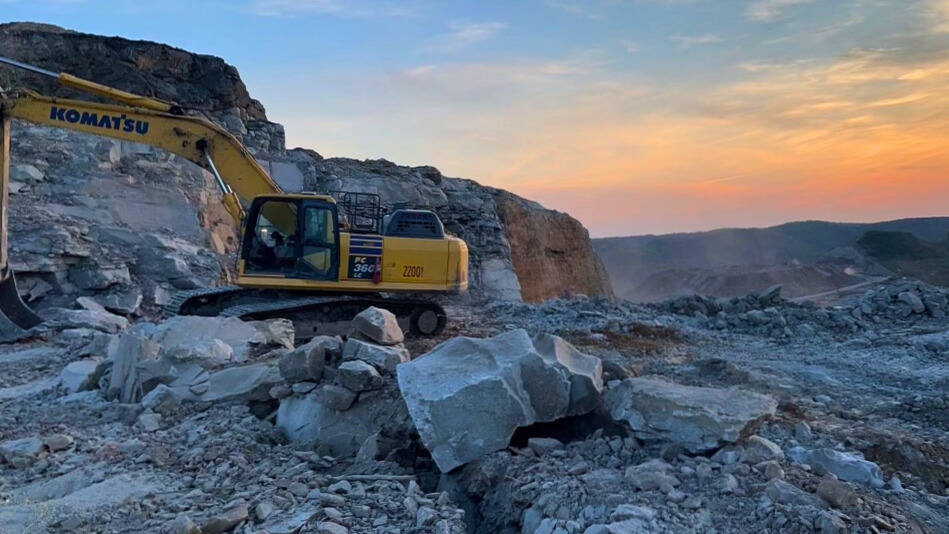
<point>828,522</point>
<point>242,384</point>
<point>782,492</point>
<point>358,376</point>
<point>247,339</point>
<point>584,372</point>
<point>302,388</point>
<point>328,527</point>
<point>770,295</point>
<point>162,399</point>
<point>336,397</point>
<point>911,299</point>
<point>379,325</point>
<point>149,421</point>
<point>652,475</point>
<point>845,466</point>
<point>758,449</point>
<point>57,442</point>
<point>384,359</point>
<point>838,493</point>
<point>101,321</point>
<point>305,363</point>
<point>544,446</point>
<point>225,522</point>
<point>772,470</point>
<point>263,510</point>
<point>280,391</point>
<point>21,453</point>
<point>135,365</point>
<point>26,173</point>
<point>343,433</point>
<point>81,375</point>
<point>802,432</point>
<point>126,302</point>
<point>209,353</point>
<point>467,396</point>
<point>98,277</point>
<point>183,524</point>
<point>87,303</point>
<point>699,419</point>
<point>630,511</point>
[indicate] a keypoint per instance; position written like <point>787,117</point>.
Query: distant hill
<point>908,255</point>
<point>632,261</point>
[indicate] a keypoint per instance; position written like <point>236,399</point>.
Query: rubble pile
<point>201,424</point>
<point>760,314</point>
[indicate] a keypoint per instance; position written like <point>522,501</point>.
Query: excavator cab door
<point>292,238</point>
<point>319,244</point>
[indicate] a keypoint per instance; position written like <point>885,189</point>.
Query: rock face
<point>145,68</point>
<point>553,243</point>
<point>91,216</point>
<point>468,396</point>
<point>698,419</point>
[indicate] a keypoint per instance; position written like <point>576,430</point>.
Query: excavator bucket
<point>11,305</point>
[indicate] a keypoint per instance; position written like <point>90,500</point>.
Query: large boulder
<point>246,339</point>
<point>379,325</point>
<point>468,396</point>
<point>235,384</point>
<point>315,418</point>
<point>697,418</point>
<point>102,321</point>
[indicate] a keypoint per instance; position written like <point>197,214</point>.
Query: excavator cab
<point>292,236</point>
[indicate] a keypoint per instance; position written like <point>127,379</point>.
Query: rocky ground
<point>717,415</point>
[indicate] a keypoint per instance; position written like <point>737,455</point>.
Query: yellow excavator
<point>316,259</point>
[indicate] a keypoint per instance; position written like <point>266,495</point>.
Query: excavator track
<point>182,298</point>
<point>329,314</point>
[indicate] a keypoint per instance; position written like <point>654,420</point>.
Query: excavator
<point>316,259</point>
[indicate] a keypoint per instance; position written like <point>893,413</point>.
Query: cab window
<point>274,242</point>
<point>319,241</point>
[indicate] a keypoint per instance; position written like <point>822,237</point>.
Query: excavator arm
<point>142,120</point>
<point>196,139</point>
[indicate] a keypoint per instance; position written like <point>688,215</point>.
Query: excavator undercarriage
<point>311,314</point>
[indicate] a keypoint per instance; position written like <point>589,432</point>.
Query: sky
<point>634,116</point>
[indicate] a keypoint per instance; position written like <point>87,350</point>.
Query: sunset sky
<point>635,116</point>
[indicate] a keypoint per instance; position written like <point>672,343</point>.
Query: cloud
<point>631,47</point>
<point>941,10</point>
<point>771,10</point>
<point>462,34</point>
<point>344,8</point>
<point>689,41</point>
